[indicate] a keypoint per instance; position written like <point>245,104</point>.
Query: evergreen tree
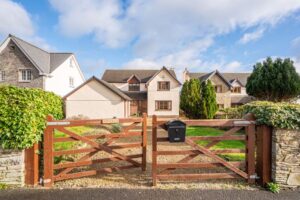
<point>274,80</point>
<point>208,101</point>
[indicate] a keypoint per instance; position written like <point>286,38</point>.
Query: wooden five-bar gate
<point>245,170</point>
<point>96,143</point>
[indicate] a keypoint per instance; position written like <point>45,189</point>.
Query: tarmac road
<point>143,194</point>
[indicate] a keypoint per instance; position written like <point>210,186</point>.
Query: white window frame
<point>27,76</point>
<point>2,75</point>
<point>71,82</point>
<point>71,63</point>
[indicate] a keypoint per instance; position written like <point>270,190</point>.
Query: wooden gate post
<point>32,165</point>
<point>48,155</point>
<point>154,149</point>
<point>144,126</point>
<point>250,153</point>
<point>264,154</point>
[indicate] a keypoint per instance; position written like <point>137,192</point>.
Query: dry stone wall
<point>12,167</point>
<point>286,157</point>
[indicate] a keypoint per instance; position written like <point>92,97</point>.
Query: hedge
<point>22,115</point>
<point>278,115</point>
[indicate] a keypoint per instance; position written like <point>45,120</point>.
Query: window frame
<point>71,82</point>
<point>238,91</point>
<point>26,75</point>
<point>134,85</point>
<point>168,105</point>
<point>216,88</point>
<point>167,85</point>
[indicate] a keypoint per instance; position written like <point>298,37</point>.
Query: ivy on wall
<point>278,115</point>
<point>22,115</point>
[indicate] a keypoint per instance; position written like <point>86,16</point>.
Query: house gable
<point>162,73</point>
<point>12,60</point>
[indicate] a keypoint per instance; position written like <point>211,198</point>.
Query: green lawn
<point>228,144</point>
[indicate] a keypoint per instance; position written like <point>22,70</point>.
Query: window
<point>71,62</point>
<point>163,105</point>
<point>236,90</point>
<point>134,87</point>
<point>2,75</point>
<point>163,85</point>
<point>25,75</point>
<point>218,88</point>
<point>71,82</point>
<point>220,106</point>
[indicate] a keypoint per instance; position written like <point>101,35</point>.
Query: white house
<point>155,92</point>
<point>26,65</point>
<point>96,98</point>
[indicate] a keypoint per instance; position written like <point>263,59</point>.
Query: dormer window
<point>133,83</point>
<point>236,90</point>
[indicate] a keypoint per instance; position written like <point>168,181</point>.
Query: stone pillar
<point>286,157</point>
<point>12,167</point>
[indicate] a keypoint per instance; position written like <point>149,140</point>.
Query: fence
<point>62,171</point>
<point>162,171</point>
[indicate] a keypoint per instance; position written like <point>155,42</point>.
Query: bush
<point>273,187</point>
<point>231,113</point>
<point>22,115</point>
<point>274,81</point>
<point>278,115</point>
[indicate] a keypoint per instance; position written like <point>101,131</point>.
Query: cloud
<point>252,36</point>
<point>296,42</point>
<point>15,19</point>
<point>93,67</point>
<point>165,31</point>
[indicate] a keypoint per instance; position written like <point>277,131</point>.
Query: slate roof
<point>45,62</point>
<point>242,77</point>
<point>136,95</point>
<point>243,99</point>
<point>106,84</point>
<point>122,75</point>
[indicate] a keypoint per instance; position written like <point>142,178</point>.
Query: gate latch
<point>254,176</point>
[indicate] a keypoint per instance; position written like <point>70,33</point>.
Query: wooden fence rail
<point>162,171</point>
<point>62,171</point>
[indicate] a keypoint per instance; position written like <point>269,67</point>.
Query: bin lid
<point>175,122</point>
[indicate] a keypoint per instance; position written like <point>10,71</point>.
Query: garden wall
<point>286,157</point>
<point>12,167</point>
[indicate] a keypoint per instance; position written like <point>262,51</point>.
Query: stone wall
<point>12,167</point>
<point>286,157</point>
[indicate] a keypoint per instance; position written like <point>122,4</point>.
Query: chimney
<point>186,76</point>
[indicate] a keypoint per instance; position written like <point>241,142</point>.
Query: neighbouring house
<point>96,98</point>
<point>155,92</point>
<point>26,65</point>
<point>230,88</point>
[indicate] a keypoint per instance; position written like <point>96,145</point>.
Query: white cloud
<point>296,42</point>
<point>93,67</point>
<point>15,19</point>
<point>167,31</point>
<point>252,36</point>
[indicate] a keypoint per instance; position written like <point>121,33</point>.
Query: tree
<point>208,100</point>
<point>274,80</point>
<point>190,98</point>
<point>198,100</point>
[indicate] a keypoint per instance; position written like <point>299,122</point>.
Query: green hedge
<point>278,115</point>
<point>22,115</point>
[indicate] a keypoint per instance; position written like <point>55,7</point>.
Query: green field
<point>228,144</point>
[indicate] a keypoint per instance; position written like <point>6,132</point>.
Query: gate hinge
<point>254,176</point>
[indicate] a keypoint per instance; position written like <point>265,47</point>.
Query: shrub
<point>22,115</point>
<point>278,115</point>
<point>208,100</point>
<point>274,80</point>
<point>273,187</point>
<point>231,113</point>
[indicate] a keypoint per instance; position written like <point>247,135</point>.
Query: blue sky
<point>231,35</point>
